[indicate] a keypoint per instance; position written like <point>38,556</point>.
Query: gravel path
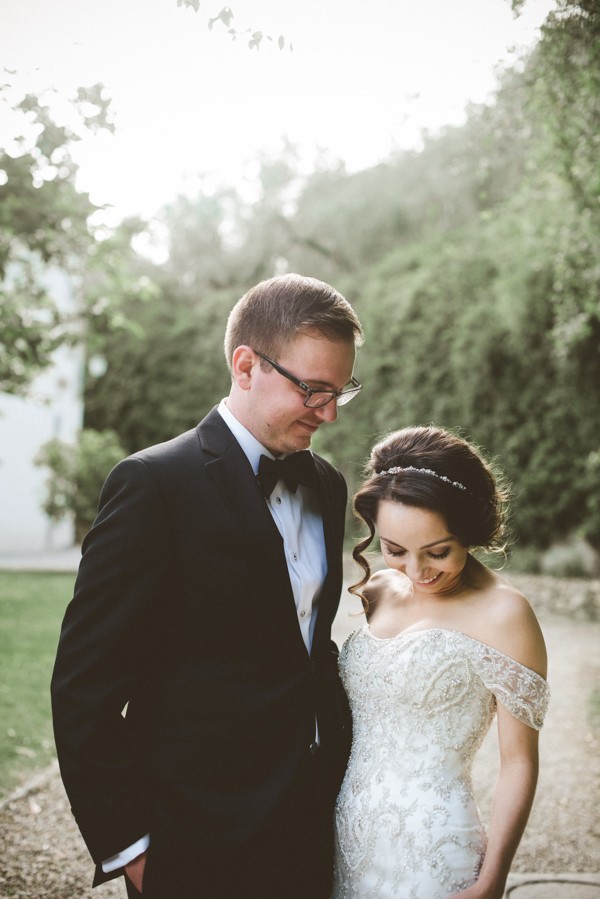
<point>43,856</point>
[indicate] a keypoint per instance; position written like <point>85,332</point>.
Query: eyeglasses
<point>316,398</point>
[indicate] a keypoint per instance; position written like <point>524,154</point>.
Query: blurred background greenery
<point>473,264</point>
<point>32,605</point>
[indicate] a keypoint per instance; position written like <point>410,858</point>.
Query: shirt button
<point>302,613</point>
<point>278,500</point>
<point>295,557</point>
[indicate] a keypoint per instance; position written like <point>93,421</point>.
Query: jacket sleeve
<point>110,640</point>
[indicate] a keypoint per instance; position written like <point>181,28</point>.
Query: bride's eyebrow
<point>448,539</point>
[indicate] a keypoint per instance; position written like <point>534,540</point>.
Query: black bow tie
<point>298,468</point>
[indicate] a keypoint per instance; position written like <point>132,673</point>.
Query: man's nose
<point>329,412</point>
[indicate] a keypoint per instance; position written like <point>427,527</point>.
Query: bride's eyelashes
<point>440,555</point>
<point>391,552</point>
<point>397,553</point>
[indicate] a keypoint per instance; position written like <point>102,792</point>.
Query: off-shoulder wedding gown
<point>407,824</point>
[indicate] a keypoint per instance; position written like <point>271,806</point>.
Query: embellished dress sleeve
<point>523,692</point>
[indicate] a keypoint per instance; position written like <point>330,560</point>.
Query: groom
<point>200,724</point>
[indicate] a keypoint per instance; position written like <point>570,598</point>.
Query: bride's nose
<point>415,568</point>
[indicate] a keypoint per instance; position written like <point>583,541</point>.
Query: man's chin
<point>308,431</point>
<point>306,442</point>
<point>295,441</point>
<point>296,446</point>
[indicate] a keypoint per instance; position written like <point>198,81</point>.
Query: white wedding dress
<point>407,824</point>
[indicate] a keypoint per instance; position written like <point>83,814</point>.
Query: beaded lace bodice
<point>407,825</point>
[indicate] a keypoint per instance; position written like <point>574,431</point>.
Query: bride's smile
<point>416,543</point>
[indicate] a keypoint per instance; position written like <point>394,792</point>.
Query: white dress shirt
<point>299,522</point>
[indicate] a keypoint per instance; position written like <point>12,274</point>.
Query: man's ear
<point>243,361</point>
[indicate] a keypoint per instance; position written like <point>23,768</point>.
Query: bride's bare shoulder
<point>512,626</point>
<point>387,586</point>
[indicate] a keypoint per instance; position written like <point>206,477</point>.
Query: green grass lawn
<point>32,606</point>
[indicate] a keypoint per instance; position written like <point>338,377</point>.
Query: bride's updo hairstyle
<point>430,468</point>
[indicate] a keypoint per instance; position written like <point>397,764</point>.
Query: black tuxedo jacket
<point>181,667</point>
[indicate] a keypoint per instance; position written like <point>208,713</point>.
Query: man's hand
<point>135,871</point>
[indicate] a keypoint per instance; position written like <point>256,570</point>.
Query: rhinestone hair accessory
<point>429,471</point>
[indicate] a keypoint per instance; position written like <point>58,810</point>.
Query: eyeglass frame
<point>333,394</point>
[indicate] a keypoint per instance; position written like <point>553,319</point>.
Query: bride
<point>447,645</point>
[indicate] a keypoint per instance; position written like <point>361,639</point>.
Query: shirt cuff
<point>127,855</point>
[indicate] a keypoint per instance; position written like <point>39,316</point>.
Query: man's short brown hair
<point>273,312</point>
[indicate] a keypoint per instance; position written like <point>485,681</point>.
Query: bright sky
<point>364,79</point>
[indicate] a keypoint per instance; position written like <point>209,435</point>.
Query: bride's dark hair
<point>437,470</point>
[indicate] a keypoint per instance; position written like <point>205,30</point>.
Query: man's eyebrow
<point>319,385</point>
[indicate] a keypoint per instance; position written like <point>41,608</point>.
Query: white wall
<point>53,408</point>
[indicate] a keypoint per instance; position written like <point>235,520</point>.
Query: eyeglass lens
<point>315,400</point>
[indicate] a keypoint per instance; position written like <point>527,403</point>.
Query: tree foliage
<point>566,94</point>
<point>44,220</point>
<point>160,376</point>
<point>77,474</point>
<point>473,265</point>
<point>226,18</point>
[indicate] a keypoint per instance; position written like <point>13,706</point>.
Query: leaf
<point>226,16</point>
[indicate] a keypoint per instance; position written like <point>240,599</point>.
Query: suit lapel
<point>233,477</point>
<point>331,530</point>
<point>232,474</point>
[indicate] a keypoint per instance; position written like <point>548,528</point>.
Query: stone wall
<point>576,597</point>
